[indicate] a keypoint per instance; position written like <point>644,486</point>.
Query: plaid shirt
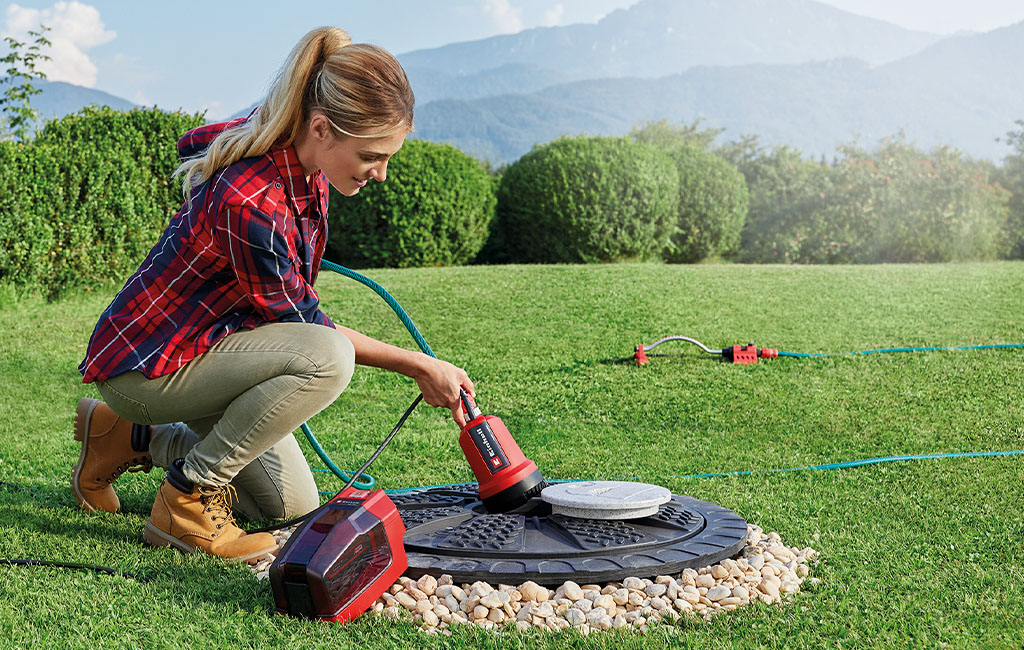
<point>246,252</point>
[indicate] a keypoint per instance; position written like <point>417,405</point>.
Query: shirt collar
<point>296,188</point>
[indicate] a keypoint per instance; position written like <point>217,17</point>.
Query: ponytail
<point>361,89</point>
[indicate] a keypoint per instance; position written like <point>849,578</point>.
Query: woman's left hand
<point>440,381</point>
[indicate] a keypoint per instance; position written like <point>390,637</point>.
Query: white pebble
<point>718,593</point>
<point>656,590</point>
<point>572,591</point>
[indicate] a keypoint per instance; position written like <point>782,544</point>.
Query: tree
<point>16,112</point>
<point>668,137</point>
<point>713,202</point>
<point>1012,178</point>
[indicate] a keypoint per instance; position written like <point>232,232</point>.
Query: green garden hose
<point>369,482</point>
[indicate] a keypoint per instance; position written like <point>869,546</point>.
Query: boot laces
<point>217,501</point>
<point>138,464</point>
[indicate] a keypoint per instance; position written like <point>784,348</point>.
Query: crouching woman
<point>216,349</point>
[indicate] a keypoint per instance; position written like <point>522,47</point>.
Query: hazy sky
<point>219,55</point>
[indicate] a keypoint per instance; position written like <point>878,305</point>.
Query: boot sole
<point>158,538</point>
<point>83,418</point>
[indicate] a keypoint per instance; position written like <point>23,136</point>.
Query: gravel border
<point>766,570</point>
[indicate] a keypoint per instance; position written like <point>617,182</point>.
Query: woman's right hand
<point>440,382</point>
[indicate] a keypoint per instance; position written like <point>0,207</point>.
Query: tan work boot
<point>197,519</point>
<point>111,446</point>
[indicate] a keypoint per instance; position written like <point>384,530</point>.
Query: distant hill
<point>795,72</point>
<point>654,38</point>
<point>964,92</point>
<point>651,39</point>
<point>59,98</point>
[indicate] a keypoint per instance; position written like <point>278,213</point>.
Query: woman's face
<point>348,163</point>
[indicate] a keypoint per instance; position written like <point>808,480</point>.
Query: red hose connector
<point>768,353</point>
<point>639,355</point>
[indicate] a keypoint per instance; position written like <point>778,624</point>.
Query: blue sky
<point>219,56</point>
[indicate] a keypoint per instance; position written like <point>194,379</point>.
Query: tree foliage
<point>668,136</point>
<point>585,199</point>
<point>433,210</point>
<point>1012,178</point>
<point>894,204</point>
<point>16,112</point>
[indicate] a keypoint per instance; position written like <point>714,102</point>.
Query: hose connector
<point>748,353</point>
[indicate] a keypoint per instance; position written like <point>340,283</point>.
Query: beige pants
<point>230,412</point>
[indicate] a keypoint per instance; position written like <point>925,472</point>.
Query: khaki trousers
<point>230,412</point>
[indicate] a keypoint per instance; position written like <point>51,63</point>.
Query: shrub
<point>1012,178</point>
<point>588,199</point>
<point>30,201</point>
<point>712,206</point>
<point>433,210</point>
<point>85,202</point>
<point>895,204</point>
<point>148,135</point>
<point>787,197</point>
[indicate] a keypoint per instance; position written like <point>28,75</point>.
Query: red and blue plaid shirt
<point>246,251</point>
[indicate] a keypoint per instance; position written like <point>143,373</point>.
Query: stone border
<point>764,571</point>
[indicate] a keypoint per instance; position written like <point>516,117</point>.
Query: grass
<point>914,554</point>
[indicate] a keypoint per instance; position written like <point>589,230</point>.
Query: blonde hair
<point>360,88</point>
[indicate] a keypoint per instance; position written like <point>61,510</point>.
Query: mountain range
<point>795,72</point>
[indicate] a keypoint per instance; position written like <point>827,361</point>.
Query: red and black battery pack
<point>507,478</point>
<point>341,559</point>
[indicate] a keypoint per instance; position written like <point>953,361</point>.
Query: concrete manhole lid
<point>449,531</point>
<point>605,499</point>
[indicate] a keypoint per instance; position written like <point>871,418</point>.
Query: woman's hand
<point>440,381</point>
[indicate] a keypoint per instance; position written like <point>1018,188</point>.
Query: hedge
<point>85,202</point>
<point>434,209</point>
<point>588,199</point>
<point>713,202</point>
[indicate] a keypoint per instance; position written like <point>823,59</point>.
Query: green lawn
<point>918,554</point>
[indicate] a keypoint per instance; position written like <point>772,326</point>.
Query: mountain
<point>430,85</point>
<point>60,98</point>
<point>654,38</point>
<point>964,91</point>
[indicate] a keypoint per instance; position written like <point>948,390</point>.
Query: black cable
<point>70,565</point>
<point>355,475</point>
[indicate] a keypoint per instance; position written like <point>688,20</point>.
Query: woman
<point>220,332</point>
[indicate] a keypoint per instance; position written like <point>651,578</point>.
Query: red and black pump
<point>341,559</point>
<point>507,479</point>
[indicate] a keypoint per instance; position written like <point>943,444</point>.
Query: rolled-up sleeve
<point>265,263</point>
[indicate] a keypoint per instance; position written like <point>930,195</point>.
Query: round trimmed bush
<point>86,200</point>
<point>713,202</point>
<point>588,199</point>
<point>433,210</point>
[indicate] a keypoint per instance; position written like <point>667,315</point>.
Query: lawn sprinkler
<point>350,551</point>
<point>749,353</point>
<point>746,354</point>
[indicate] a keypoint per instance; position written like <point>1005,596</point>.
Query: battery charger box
<point>341,559</point>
